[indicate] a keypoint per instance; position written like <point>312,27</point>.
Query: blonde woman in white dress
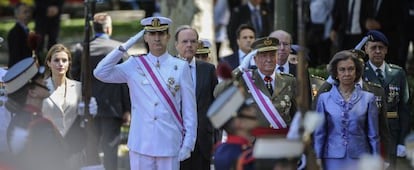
<point>62,105</point>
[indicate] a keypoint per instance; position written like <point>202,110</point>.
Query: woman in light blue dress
<point>350,128</point>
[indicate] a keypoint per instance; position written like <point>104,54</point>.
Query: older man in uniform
<point>164,119</point>
<point>274,93</point>
<point>393,79</point>
<point>205,79</point>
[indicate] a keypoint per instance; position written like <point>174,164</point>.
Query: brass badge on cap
<point>267,42</point>
<point>200,45</point>
<point>155,22</point>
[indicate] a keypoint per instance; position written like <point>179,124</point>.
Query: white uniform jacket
<point>153,130</point>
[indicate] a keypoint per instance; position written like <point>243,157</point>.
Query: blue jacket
<point>350,128</point>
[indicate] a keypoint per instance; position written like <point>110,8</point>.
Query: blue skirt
<point>340,163</point>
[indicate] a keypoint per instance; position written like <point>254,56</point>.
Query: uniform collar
<point>382,67</point>
<point>32,109</point>
<point>159,59</point>
<point>233,139</point>
<point>263,76</point>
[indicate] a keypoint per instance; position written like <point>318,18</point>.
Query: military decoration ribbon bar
<point>161,91</point>
<point>264,103</point>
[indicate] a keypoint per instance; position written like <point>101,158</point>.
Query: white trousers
<point>144,162</point>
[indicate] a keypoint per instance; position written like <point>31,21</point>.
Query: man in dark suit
<point>254,13</point>
<point>47,21</point>
<point>393,79</point>
<point>204,79</point>
<point>348,27</point>
<point>245,38</point>
<point>113,99</point>
<point>18,35</point>
<point>283,52</point>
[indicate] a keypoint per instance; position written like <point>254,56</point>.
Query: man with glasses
<point>393,79</point>
<point>283,52</point>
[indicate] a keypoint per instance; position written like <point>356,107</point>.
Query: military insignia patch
<point>155,22</point>
<point>267,42</point>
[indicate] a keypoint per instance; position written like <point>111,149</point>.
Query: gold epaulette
<point>287,74</point>
<point>374,84</point>
<point>317,77</point>
<point>395,66</point>
<point>182,58</point>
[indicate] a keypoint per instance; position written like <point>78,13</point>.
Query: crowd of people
<point>185,112</point>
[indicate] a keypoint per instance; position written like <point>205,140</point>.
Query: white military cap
<point>277,148</point>
<point>20,74</point>
<point>153,24</point>
<point>225,106</point>
<point>203,47</point>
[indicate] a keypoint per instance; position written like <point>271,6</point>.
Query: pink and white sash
<point>161,90</point>
<point>264,103</point>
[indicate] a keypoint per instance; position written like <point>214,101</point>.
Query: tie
<point>256,19</point>
<point>380,76</point>
<point>281,69</point>
<point>268,82</point>
<point>350,16</point>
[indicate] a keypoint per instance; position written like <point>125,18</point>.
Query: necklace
<point>346,95</point>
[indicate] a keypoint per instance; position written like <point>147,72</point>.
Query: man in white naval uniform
<point>164,117</point>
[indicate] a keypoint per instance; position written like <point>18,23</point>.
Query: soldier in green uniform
<point>393,79</point>
<point>270,90</point>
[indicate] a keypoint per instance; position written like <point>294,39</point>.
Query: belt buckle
<point>392,115</point>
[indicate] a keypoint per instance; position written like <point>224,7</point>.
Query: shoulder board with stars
<point>374,84</point>
<point>287,74</point>
<point>394,66</point>
<point>178,57</point>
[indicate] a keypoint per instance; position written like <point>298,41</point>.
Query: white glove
<point>93,107</point>
<point>184,153</point>
<point>81,108</point>
<point>401,151</point>
<point>302,163</point>
<point>244,65</point>
<point>18,139</point>
<point>131,41</point>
